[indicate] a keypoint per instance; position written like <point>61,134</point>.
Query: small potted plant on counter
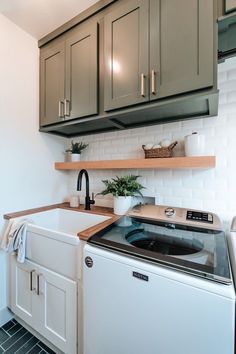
<point>76,149</point>
<point>122,189</point>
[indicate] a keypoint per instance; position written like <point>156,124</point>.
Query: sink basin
<point>52,239</point>
<point>67,222</point>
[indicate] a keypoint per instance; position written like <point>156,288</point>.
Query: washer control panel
<point>166,213</point>
<point>199,216</point>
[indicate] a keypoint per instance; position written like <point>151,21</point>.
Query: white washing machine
<point>159,282</point>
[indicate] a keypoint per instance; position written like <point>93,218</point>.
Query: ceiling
<point>40,17</point>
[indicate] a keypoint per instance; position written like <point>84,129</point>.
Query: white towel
<point>14,238</point>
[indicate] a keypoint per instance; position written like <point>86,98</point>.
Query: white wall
<point>28,178</point>
<point>214,189</point>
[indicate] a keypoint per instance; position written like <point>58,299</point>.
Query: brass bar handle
<point>142,85</point>
<point>153,82</point>
<point>61,109</point>
<point>37,284</point>
<point>67,107</point>
<point>31,279</point>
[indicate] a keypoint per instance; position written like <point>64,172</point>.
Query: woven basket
<point>159,152</point>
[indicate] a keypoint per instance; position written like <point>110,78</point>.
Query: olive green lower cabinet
<point>69,75</point>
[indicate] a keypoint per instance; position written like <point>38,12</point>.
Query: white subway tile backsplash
<point>222,76</point>
<point>172,201</point>
<point>213,190</point>
<point>172,127</point>
<point>192,203</point>
<point>223,98</point>
<point>192,125</point>
<point>231,74</point>
<point>231,96</point>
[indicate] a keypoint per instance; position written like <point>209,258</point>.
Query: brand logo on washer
<point>140,276</point>
<point>89,262</point>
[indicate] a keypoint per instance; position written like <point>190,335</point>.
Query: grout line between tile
<point>6,331</point>
<point>31,348</point>
<point>15,341</point>
<point>16,331</point>
<point>10,336</point>
<point>43,350</point>
<point>25,342</point>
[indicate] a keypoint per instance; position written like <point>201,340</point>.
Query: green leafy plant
<point>123,186</point>
<point>76,148</point>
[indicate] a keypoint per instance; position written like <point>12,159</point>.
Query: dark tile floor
<point>15,339</point>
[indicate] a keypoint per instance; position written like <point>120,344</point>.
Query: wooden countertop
<point>84,235</point>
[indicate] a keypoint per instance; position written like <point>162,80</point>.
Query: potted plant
<point>76,149</point>
<point>122,189</point>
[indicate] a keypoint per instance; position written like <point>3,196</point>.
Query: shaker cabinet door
<point>56,309</point>
<point>181,46</point>
<point>46,301</point>
<point>22,289</point>
<point>52,77</point>
<point>126,55</point>
<point>82,72</point>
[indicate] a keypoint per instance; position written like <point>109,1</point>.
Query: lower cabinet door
<point>22,287</point>
<point>47,302</point>
<point>56,307</point>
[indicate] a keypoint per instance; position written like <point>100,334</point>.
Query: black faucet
<point>88,201</point>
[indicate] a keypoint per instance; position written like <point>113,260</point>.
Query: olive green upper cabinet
<point>52,79</point>
<point>126,54</point>
<point>157,48</point>
<point>69,73</point>
<point>181,46</point>
<point>81,73</point>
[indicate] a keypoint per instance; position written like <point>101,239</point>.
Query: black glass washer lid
<point>163,244</point>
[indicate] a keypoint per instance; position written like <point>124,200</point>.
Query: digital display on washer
<point>201,252</point>
<point>199,216</point>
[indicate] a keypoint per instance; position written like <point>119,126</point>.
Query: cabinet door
<point>81,72</point>
<point>56,309</point>
<point>22,289</point>
<point>230,6</point>
<point>181,47</point>
<point>52,76</point>
<point>126,55</point>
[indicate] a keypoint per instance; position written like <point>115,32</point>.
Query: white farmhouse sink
<point>64,221</point>
<point>52,239</point>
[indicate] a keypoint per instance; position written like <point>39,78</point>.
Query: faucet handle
<point>92,201</point>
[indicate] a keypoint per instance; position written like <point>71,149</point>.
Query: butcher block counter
<point>84,235</point>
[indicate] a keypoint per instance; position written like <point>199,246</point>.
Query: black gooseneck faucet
<point>88,201</point>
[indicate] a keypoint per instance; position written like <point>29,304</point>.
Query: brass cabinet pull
<point>61,109</point>
<point>153,82</point>
<point>67,107</point>
<point>142,85</point>
<point>31,279</point>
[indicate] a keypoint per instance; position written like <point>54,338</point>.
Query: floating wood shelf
<point>200,162</point>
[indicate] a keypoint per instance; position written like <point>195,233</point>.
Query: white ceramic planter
<point>75,157</point>
<point>122,205</point>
